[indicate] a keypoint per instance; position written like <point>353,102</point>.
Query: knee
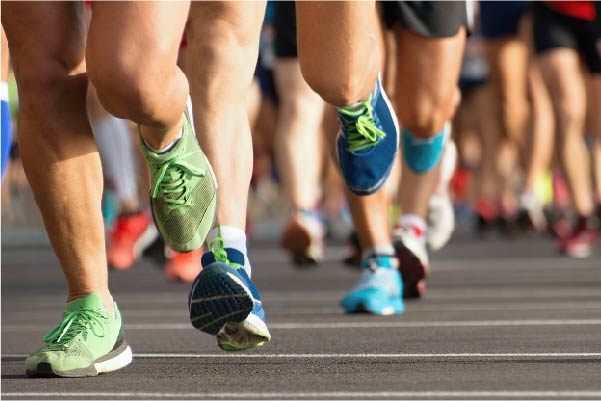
<point>332,89</point>
<point>128,89</point>
<point>425,116</point>
<point>229,42</point>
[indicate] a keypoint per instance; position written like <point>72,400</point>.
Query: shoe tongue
<point>90,301</point>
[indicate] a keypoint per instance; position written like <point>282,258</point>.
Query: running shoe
<point>130,236</point>
<point>530,216</point>
<point>303,238</point>
<point>182,266</point>
<point>441,215</point>
<point>379,290</point>
<point>183,191</point>
<point>579,244</point>
<point>88,341</point>
<point>410,247</point>
<point>225,303</point>
<point>368,142</point>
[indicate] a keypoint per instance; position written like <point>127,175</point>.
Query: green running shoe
<point>87,342</point>
<point>183,191</point>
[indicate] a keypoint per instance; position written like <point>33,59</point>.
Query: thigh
<point>46,40</point>
<point>129,34</point>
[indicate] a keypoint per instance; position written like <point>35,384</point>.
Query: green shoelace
<point>73,324</point>
<point>362,133</point>
<point>218,249</point>
<point>171,181</point>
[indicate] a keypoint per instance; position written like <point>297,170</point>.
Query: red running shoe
<point>579,244</point>
<point>130,235</point>
<point>183,266</point>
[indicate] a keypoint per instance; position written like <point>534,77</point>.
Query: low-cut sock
<point>116,150</point>
<point>168,147</point>
<point>233,237</point>
<point>415,221</point>
<point>378,250</point>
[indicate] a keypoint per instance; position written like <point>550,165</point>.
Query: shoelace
<point>171,181</point>
<point>362,132</point>
<point>218,249</point>
<point>73,324</point>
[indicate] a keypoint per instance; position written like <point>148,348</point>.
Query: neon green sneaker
<point>87,342</point>
<point>183,191</point>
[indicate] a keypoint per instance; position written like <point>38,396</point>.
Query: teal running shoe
<point>379,290</point>
<point>88,341</point>
<point>183,191</point>
<point>225,303</point>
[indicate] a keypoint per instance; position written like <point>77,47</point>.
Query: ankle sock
<point>233,237</point>
<point>378,250</point>
<point>168,147</point>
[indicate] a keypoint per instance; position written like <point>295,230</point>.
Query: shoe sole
<point>118,358</point>
<point>218,297</point>
<point>413,272</point>
<point>297,241</point>
<point>250,333</point>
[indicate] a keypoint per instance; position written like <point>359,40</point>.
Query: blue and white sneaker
<point>225,303</point>
<point>368,142</point>
<point>379,290</point>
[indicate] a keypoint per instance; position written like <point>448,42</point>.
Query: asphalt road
<point>501,319</point>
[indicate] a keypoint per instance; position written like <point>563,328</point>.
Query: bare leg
<point>562,74</point>
<point>223,45</point>
<point>595,120</point>
<point>427,74</point>
<point>299,140</point>
<point>341,60</point>
<point>47,46</point>
<point>138,78</point>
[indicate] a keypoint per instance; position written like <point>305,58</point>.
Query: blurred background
<point>526,129</point>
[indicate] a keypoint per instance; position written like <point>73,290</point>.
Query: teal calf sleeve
<point>421,155</point>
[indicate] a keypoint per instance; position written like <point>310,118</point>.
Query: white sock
<point>114,143</point>
<point>4,91</point>
<point>378,250</point>
<point>413,220</point>
<point>168,147</point>
<point>233,237</point>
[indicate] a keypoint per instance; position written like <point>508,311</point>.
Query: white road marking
<point>464,355</point>
<point>321,395</point>
<point>353,325</point>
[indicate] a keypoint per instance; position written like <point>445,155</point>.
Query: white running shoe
<point>441,215</point>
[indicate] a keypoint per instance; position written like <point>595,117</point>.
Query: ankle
<point>232,237</point>
<point>105,295</point>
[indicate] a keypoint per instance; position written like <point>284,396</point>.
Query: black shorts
<point>432,19</point>
<point>500,19</point>
<point>553,30</point>
<point>284,22</point>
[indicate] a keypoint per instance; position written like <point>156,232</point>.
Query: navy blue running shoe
<point>225,303</point>
<point>368,142</point>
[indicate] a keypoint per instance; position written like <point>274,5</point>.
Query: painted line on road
<point>333,394</point>
<point>354,325</point>
<point>359,355</point>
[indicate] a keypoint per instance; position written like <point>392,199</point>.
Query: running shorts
<point>432,19</point>
<point>553,30</point>
<point>500,19</point>
<point>284,22</point>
